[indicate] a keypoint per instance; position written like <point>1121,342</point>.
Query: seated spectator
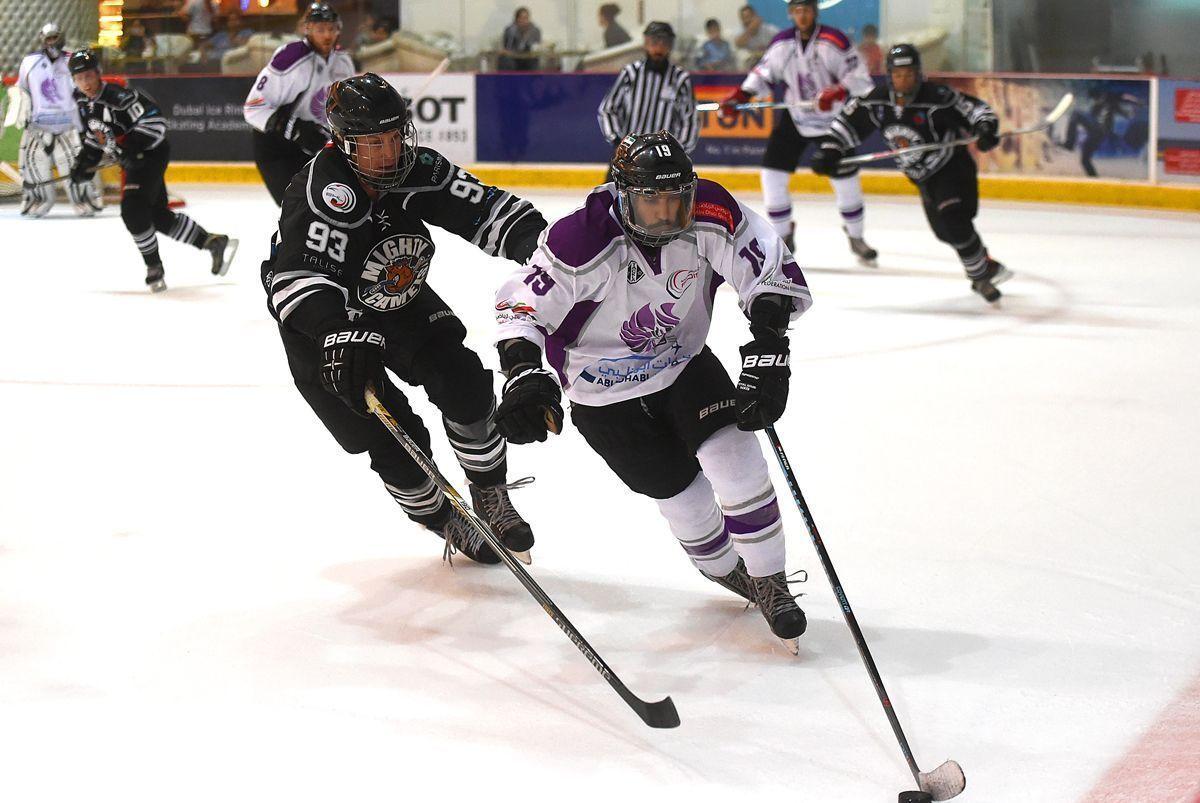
<point>135,43</point>
<point>715,54</point>
<point>519,39</point>
<point>614,34</point>
<point>756,33</point>
<point>234,34</point>
<point>366,29</point>
<point>870,50</point>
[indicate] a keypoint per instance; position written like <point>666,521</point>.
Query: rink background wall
<point>540,130</point>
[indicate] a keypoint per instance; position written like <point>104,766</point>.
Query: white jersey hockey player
<point>619,297</point>
<point>52,125</point>
<point>286,104</point>
<point>819,67</point>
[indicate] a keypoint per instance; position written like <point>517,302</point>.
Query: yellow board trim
<point>1008,188</point>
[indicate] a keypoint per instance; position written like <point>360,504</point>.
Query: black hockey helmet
<point>814,3</point>
<point>322,12</point>
<point>660,30</point>
<point>905,55</point>
<point>82,61</point>
<point>656,187</point>
<point>363,111</point>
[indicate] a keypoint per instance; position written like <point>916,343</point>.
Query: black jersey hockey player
<point>126,123</point>
<point>286,104</point>
<point>619,298</point>
<point>911,110</point>
<point>346,282</point>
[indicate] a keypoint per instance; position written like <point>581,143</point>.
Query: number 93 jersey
<point>617,320</point>
<point>338,253</point>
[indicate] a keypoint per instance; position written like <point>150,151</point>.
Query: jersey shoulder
<point>30,61</point>
<point>937,94</point>
<point>326,188</point>
<point>835,37</point>
<point>577,239</point>
<point>880,94</point>
<point>783,37</point>
<point>288,56</point>
<point>715,205</point>
<point>431,171</point>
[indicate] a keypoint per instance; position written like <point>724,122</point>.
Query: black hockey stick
<point>943,782</point>
<point>1050,119</point>
<point>33,185</point>
<point>661,714</point>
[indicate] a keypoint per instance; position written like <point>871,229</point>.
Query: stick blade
<point>1063,105</point>
<point>944,782</point>
<point>658,715</point>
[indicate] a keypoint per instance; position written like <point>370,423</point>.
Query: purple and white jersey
<point>297,77</point>
<point>48,87</point>
<point>617,320</point>
<point>829,59</point>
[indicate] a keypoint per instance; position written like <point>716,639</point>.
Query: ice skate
<point>737,581</point>
<point>865,253</point>
<point>779,608</point>
<point>222,249</point>
<point>461,536</point>
<point>985,284</point>
<point>493,506</point>
<point>156,278</point>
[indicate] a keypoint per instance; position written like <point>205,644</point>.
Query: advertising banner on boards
<point>1179,131</point>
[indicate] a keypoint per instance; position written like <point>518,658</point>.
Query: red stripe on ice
<point>1163,766</point>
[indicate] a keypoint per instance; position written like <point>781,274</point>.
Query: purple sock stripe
<point>708,547</point>
<point>853,214</point>
<point>782,213</point>
<point>757,519</point>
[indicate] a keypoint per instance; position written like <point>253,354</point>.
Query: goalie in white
<point>52,125</point>
<point>619,295</point>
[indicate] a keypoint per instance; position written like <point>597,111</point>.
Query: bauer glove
<point>826,160</point>
<point>762,388</point>
<point>985,136</point>
<point>530,407</point>
<point>351,361</point>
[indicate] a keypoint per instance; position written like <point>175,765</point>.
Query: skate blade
<point>158,287</point>
<point>792,645</point>
<point>523,556</point>
<point>1002,276</point>
<point>227,258</point>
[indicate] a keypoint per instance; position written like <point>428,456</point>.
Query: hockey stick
<point>1050,119</point>
<point>438,70</point>
<point>946,780</point>
<point>661,714</point>
<point>712,106</point>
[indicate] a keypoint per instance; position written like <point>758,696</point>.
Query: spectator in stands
<point>135,42</point>
<point>715,54</point>
<point>234,34</point>
<point>520,38</point>
<point>614,34</point>
<point>199,14</point>
<point>366,29</point>
<point>756,34</point>
<point>870,50</point>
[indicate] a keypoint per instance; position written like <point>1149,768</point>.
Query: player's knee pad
<point>696,522</point>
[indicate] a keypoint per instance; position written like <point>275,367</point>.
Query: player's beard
<point>657,63</point>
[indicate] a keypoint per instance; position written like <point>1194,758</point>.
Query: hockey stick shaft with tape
<point>660,714</point>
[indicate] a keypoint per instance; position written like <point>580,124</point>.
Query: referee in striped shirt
<point>651,95</point>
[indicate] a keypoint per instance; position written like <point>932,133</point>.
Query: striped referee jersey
<point>644,100</point>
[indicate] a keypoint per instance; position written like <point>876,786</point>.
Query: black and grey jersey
<point>644,100</point>
<point>938,113</point>
<point>120,117</point>
<point>338,254</point>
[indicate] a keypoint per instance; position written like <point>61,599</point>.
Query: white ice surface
<point>203,598</point>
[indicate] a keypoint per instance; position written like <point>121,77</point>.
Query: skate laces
<point>460,536</point>
<point>772,593</point>
<point>497,507</point>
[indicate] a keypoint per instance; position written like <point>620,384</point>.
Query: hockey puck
<point>915,797</point>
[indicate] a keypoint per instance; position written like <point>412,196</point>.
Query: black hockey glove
<point>352,359</point>
<point>309,136</point>
<point>530,407</point>
<point>986,138</point>
<point>826,160</point>
<point>762,388</point>
<point>82,174</point>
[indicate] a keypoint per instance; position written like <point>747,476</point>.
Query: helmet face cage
<point>642,211</point>
<point>365,151</point>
